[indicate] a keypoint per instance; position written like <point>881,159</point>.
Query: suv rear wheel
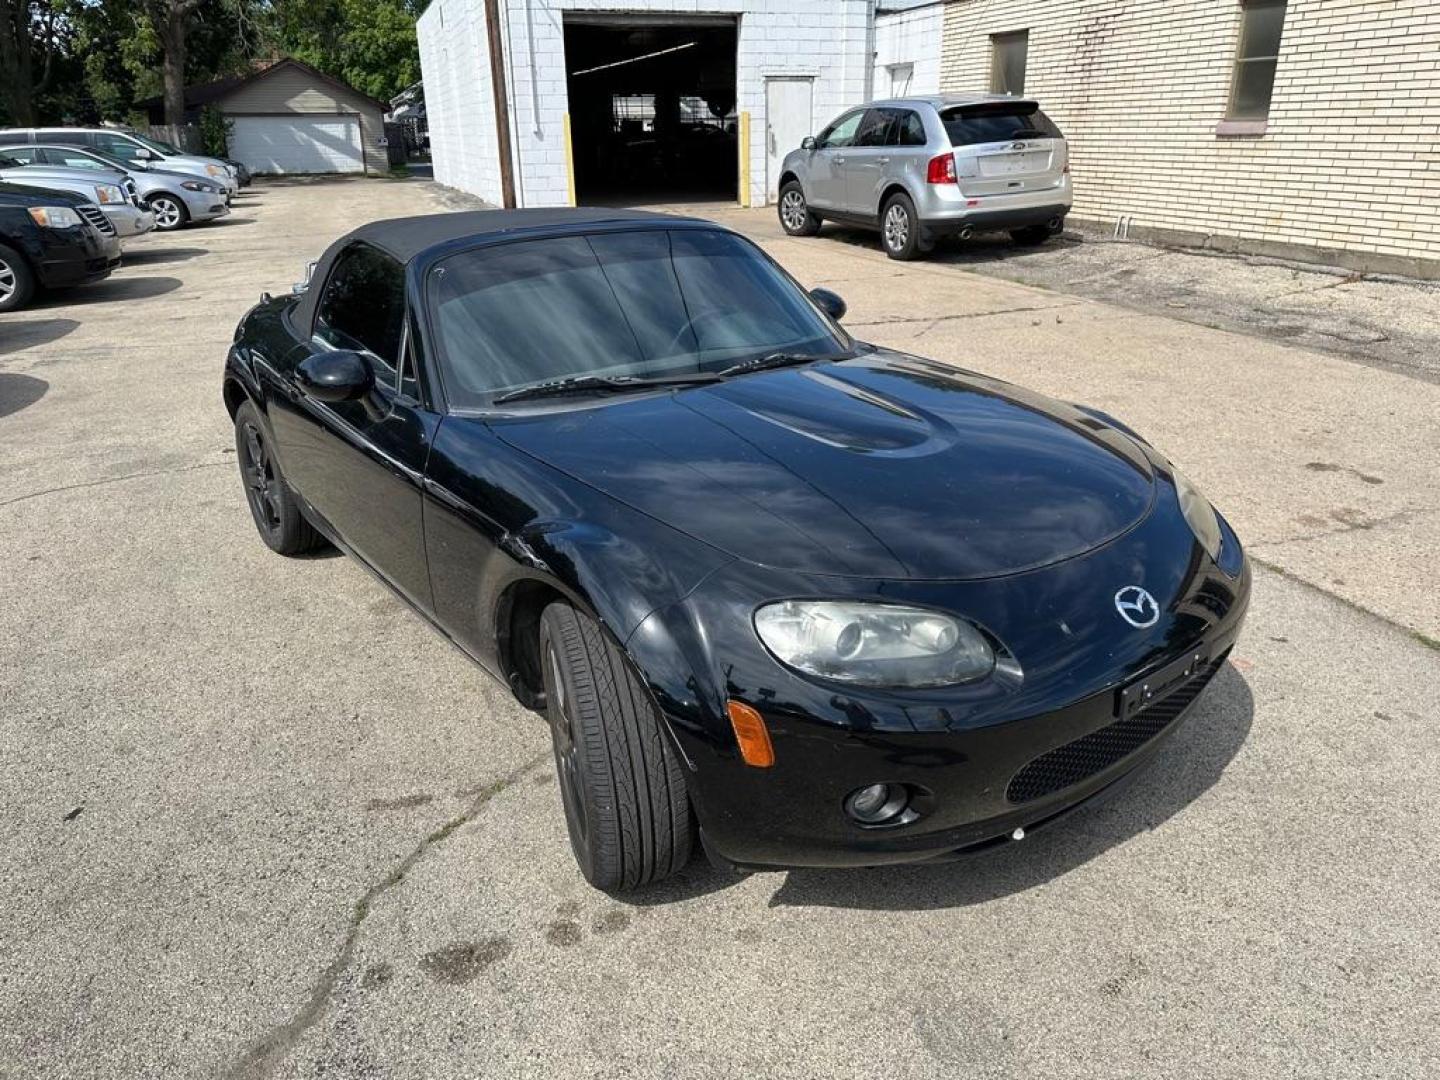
<point>900,229</point>
<point>795,216</point>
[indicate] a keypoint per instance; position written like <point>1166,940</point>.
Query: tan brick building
<point>1189,121</point>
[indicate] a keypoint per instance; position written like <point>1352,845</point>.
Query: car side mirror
<point>831,303</point>
<point>335,375</point>
<point>303,284</point>
<point>808,143</point>
<point>142,154</point>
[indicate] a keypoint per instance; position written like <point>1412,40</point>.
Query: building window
<point>1008,54</point>
<point>1261,23</point>
<point>900,76</point>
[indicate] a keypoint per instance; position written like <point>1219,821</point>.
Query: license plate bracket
<point>1158,685</point>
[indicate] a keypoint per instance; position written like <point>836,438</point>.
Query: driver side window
<point>116,146</point>
<point>841,133</point>
<point>363,308</point>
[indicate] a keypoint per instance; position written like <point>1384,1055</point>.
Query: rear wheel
<point>900,230</point>
<point>795,216</point>
<point>17,281</point>
<point>170,212</point>
<point>1033,236</point>
<point>276,513</point>
<point>621,785</point>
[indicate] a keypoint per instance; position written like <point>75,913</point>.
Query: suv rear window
<point>997,122</point>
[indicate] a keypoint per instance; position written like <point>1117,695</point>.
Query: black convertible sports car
<point>816,602</point>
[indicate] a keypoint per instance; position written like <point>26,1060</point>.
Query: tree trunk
<point>172,41</point>
<point>16,88</point>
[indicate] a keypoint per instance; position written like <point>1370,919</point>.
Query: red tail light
<point>941,170</point>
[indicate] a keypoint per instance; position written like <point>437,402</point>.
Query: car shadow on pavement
<point>224,222</point>
<point>147,256</point>
<point>19,392</point>
<point>1192,762</point>
<point>984,248</point>
<point>15,336</point>
<point>111,289</point>
<point>1186,768</point>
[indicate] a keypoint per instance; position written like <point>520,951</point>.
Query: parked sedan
<point>49,239</point>
<point>177,199</point>
<point>113,192</point>
<point>815,602</point>
<point>129,146</point>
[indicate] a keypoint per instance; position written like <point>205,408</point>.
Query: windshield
<point>648,304</point>
<point>971,125</point>
<point>153,144</point>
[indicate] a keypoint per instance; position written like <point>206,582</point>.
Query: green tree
<point>369,44</point>
<point>34,42</point>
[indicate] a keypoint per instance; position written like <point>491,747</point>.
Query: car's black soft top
<point>405,238</point>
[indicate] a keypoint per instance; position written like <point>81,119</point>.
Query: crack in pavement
<point>268,1050</point>
<point>115,480</point>
<point>1349,527</point>
<point>934,322</point>
<point>1354,605</point>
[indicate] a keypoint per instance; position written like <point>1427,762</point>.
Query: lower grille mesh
<point>1076,761</point>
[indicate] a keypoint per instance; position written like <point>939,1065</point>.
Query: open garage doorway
<point>652,107</point>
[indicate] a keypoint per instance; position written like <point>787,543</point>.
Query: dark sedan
<point>50,239</point>
<point>813,602</point>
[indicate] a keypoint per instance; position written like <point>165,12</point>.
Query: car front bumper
<point>206,206</point>
<point>129,220</point>
<point>979,760</point>
<point>75,257</point>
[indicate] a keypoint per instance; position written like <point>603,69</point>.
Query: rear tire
<point>17,280</point>
<point>1033,236</point>
<point>622,786</point>
<point>900,231</point>
<point>796,217</point>
<point>170,212</point>
<point>272,505</point>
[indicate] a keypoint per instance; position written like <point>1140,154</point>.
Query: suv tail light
<point>941,170</point>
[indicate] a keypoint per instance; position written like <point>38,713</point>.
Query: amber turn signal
<point>750,732</point>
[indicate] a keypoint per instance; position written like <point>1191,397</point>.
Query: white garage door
<point>324,143</point>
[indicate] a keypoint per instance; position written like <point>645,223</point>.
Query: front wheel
<point>272,505</point>
<point>17,281</point>
<point>795,216</point>
<point>170,213</point>
<point>900,230</point>
<point>621,785</point>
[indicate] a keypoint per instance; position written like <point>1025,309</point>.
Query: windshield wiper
<point>604,384</point>
<point>772,360</point>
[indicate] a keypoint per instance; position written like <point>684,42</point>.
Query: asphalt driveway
<point>256,820</point>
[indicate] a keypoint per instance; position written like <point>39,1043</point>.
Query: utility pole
<point>502,104</point>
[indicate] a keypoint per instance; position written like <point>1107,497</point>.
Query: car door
<point>360,464</point>
<point>866,161</point>
<point>827,163</point>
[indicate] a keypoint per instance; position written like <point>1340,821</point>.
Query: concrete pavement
<point>258,821</point>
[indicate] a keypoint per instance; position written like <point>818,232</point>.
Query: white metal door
<point>788,120</point>
<point>299,143</point>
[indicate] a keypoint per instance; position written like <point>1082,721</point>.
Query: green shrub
<point>215,132</point>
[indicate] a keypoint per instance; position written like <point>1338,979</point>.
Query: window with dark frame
<point>1262,23</point>
<point>1009,54</point>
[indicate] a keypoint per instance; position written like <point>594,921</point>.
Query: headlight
<point>1199,513</point>
<point>874,644</point>
<point>108,193</point>
<point>54,217</point>
<point>214,170</point>
<point>198,185</point>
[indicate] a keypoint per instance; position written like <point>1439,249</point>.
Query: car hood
<point>885,466</point>
<point>37,174</point>
<point>12,194</point>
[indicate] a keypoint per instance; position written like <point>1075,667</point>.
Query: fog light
<point>876,804</point>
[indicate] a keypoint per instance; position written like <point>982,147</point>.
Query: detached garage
<point>287,117</point>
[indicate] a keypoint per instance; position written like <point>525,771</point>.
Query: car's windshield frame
<point>423,285</point>
<point>152,144</point>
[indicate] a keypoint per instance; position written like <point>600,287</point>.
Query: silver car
<point>921,168</point>
<point>113,192</point>
<point>130,146</point>
<point>177,199</point>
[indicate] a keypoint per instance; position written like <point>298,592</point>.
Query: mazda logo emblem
<point>1137,607</point>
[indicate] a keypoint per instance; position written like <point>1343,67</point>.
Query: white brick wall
<point>910,37</point>
<point>829,40</point>
<point>1351,158</point>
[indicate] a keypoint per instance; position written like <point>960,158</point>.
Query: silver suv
<point>921,168</point>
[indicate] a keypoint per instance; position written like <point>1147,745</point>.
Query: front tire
<point>170,212</point>
<point>900,231</point>
<point>621,785</point>
<point>272,505</point>
<point>796,217</point>
<point>17,280</point>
